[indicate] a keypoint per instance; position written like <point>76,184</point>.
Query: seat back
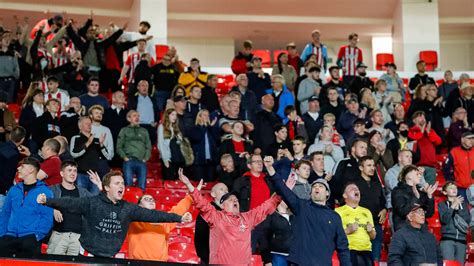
<point>161,50</point>
<point>382,59</point>
<point>265,55</point>
<point>430,58</point>
<point>132,194</point>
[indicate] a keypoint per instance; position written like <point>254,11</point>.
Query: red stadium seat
<point>257,260</point>
<point>276,53</point>
<point>451,263</point>
<point>154,183</point>
<point>174,184</point>
<point>15,109</point>
<point>161,50</point>
<point>430,58</point>
<point>265,55</point>
<point>182,252</point>
<point>132,194</point>
<point>383,59</point>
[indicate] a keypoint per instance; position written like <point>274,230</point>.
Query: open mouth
<point>120,193</point>
<point>236,205</point>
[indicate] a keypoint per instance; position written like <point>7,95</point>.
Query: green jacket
<point>133,141</point>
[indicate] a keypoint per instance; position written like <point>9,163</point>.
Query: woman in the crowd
<point>32,107</point>
<point>236,145</point>
<point>383,99</point>
<point>287,71</point>
<point>169,145</point>
<point>395,86</point>
<point>178,90</point>
<point>419,102</point>
<point>377,149</point>
<point>367,100</point>
<point>435,111</point>
<point>204,136</point>
<point>408,192</point>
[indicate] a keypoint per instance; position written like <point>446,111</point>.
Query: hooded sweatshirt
<point>106,224</point>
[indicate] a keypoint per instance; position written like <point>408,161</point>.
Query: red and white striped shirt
<point>60,59</point>
<point>350,57</point>
<point>132,62</point>
<point>318,51</point>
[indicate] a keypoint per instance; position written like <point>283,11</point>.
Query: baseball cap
<point>361,65</point>
<point>179,98</point>
<point>227,195</point>
<point>256,58</point>
<point>323,182</point>
<point>467,134</point>
<point>313,98</point>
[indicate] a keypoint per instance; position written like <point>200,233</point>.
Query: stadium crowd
<point>301,166</point>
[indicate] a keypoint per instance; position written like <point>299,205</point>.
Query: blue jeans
<point>161,97</point>
<point>137,167</point>
<point>377,242</point>
<point>279,260</point>
<point>84,181</point>
<point>8,86</point>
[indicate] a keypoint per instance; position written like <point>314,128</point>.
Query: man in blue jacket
<point>24,222</point>
<point>318,230</point>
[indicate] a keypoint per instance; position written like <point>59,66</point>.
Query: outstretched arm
<point>145,215</point>
<point>73,205</point>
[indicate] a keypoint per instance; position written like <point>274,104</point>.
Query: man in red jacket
<point>426,142</point>
<point>241,62</point>
<point>459,165</point>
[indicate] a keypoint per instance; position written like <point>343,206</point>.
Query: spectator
<point>148,241</point>
<point>92,97</point>
<point>10,154</point>
<point>466,101</point>
<point>377,150</point>
<point>69,118</point>
<point>312,118</point>
<point>330,120</point>
<point>295,124</point>
<point>407,193</point>
<point>435,111</point>
<point>7,119</point>
<point>143,28</point>
<point>98,235</point>
<point>299,147</point>
<point>47,125</point>
<point>401,142</point>
<point>87,151</point>
<point>209,96</point>
<point>282,96</point>
<point>204,138</point>
<point>64,154</point>
<point>178,90</point>
<point>288,72</point>
<point>193,104</point>
<point>309,87</point>
<point>51,166</point>
<point>301,173</point>
<point>317,167</point>
<point>347,169</point>
<point>454,97</point>
<point>67,225</point>
<point>372,197</point>
<point>421,77</point>
<point>333,105</point>
<point>73,75</point>
<point>193,76</point>
<point>344,125</point>
<point>241,62</point>
<point>146,106</point>
<point>46,25</point>
<point>115,118</point>
<point>202,236</point>
<point>134,147</point>
<point>309,64</point>
<point>165,78</point>
<point>311,224</point>
<point>405,157</point>
<point>395,87</point>
<point>348,58</point>
<point>248,105</point>
<point>317,48</point>
<point>334,82</point>
<point>367,100</point>
<point>130,68</point>
<point>419,102</point>
<point>398,116</point>
<point>453,231</point>
<point>232,116</point>
<point>228,171</point>
<point>378,121</point>
<point>23,222</point>
<point>258,80</point>
<point>426,141</point>
<point>281,146</point>
<point>459,165</point>
<point>360,131</point>
<point>404,251</point>
<point>102,132</point>
<point>358,226</point>
<point>169,138</point>
<point>32,107</point>
<point>361,80</point>
<point>230,229</point>
<point>10,72</point>
<point>265,120</point>
<point>449,85</point>
<point>237,145</point>
<point>332,153</point>
<point>179,105</point>
<point>294,58</point>
<point>383,100</point>
<point>54,91</point>
<point>458,126</point>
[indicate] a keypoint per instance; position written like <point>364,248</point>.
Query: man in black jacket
<point>265,120</point>
<point>420,78</point>
<point>115,118</point>
<point>165,77</point>
<point>414,244</point>
<point>209,96</point>
<point>10,152</point>
<point>107,216</point>
<point>361,80</point>
<point>201,233</point>
<point>47,125</point>
<point>313,120</point>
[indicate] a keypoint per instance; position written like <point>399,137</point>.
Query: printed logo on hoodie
<point>110,225</point>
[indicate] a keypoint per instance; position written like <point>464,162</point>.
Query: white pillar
<point>416,28</point>
<point>156,13</point>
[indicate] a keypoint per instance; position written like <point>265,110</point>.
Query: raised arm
<point>73,205</point>
<point>257,215</point>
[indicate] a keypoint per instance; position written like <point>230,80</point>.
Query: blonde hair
<point>199,121</point>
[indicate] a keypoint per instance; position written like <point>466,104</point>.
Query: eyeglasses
<point>419,211</point>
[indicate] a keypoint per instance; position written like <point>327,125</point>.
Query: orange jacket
<point>149,241</point>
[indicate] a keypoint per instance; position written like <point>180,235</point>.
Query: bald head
<point>268,102</point>
<point>217,191</point>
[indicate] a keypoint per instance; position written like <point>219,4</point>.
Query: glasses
<point>420,211</point>
<point>148,199</point>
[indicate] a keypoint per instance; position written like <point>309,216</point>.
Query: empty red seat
<point>430,58</point>
<point>154,183</point>
<point>257,260</point>
<point>15,109</point>
<point>182,252</point>
<point>451,263</point>
<point>161,50</point>
<point>265,55</point>
<point>132,194</point>
<point>383,59</point>
<point>276,53</point>
<point>174,184</point>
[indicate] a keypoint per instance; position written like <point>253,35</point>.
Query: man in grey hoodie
<point>107,216</point>
<point>302,188</point>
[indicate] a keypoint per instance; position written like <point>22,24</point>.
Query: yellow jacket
<point>188,80</point>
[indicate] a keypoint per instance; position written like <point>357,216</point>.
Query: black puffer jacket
<point>403,199</point>
<point>277,235</point>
